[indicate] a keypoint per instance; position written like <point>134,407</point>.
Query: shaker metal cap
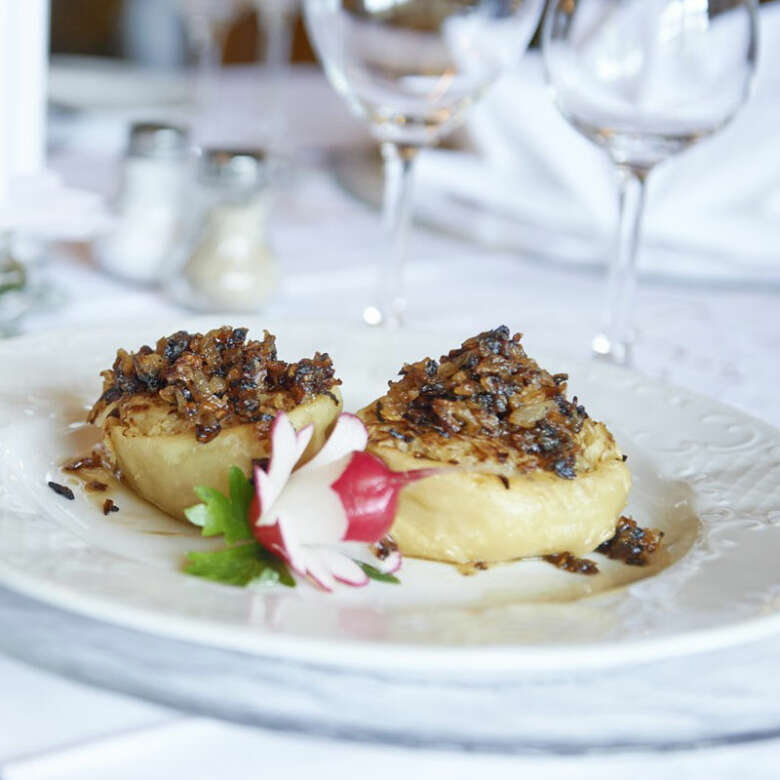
<point>157,139</point>
<point>244,168</point>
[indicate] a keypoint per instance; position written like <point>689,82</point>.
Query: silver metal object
<point>242,169</point>
<point>158,140</point>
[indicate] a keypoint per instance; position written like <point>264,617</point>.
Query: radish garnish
<point>329,518</point>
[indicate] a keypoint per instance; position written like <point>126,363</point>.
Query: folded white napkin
<point>536,185</point>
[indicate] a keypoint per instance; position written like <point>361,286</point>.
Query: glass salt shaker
<point>148,204</point>
<point>226,263</point>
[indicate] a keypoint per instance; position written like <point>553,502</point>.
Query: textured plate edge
<point>488,662</point>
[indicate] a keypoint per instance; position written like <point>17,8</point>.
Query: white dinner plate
<point>706,474</point>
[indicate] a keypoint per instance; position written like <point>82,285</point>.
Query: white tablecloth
<point>722,342</point>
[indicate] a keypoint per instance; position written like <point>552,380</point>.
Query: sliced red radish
<point>313,517</point>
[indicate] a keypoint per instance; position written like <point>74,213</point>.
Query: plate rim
<point>451,661</point>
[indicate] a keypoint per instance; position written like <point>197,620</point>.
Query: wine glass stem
<point>207,41</point>
<point>275,20</point>
<point>616,340</point>
<point>397,212</point>
<point>278,24</point>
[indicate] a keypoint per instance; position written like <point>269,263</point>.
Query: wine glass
<point>412,68</point>
<point>207,23</point>
<point>276,25</point>
<point>645,79</point>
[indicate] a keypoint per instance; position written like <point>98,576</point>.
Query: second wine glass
<point>645,79</point>
<point>412,68</point>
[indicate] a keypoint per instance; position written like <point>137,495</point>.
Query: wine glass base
<point>374,317</point>
<point>619,353</point>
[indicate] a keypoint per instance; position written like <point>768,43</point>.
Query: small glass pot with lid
<point>226,264</point>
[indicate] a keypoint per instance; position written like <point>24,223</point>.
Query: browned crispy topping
<point>490,395</point>
<point>569,562</point>
<point>472,567</point>
<point>62,490</point>
<point>385,547</point>
<point>215,380</point>
<point>631,544</point>
<point>92,461</point>
<point>96,486</point>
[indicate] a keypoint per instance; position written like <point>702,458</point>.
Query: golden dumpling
<point>181,414</point>
<point>525,471</point>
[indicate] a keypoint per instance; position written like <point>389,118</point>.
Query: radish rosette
<point>332,513</point>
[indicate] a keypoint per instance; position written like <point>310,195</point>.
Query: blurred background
<point>121,29</point>
<point>115,28</point>
<point>140,187</point>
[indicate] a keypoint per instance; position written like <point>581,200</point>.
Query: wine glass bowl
<point>412,68</point>
<point>647,78</point>
<point>644,80</point>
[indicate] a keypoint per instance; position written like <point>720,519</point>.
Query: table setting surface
<point>716,335</point>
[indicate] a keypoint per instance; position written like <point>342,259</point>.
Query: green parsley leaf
<point>219,514</point>
<point>377,575</point>
<point>240,566</point>
<point>198,515</point>
<point>241,493</point>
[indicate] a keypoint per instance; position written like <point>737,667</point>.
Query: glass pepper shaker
<point>226,263</point>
